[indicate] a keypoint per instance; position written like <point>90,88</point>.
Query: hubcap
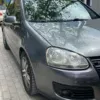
<point>26,72</point>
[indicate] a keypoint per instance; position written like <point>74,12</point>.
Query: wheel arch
<point>20,52</point>
<point>23,50</point>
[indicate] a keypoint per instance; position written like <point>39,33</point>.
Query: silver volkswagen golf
<point>58,53</point>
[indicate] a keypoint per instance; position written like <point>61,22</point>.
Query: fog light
<point>67,93</point>
<point>73,92</point>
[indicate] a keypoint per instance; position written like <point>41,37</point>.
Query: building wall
<point>96,5</point>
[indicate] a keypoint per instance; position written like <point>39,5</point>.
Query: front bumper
<point>73,92</point>
<point>46,75</point>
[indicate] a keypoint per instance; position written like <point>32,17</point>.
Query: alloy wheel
<point>26,72</point>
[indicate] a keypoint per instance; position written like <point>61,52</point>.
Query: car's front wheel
<point>28,75</point>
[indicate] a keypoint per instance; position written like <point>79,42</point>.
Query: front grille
<point>96,63</point>
<point>74,92</point>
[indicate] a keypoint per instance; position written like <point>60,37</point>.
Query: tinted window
<point>53,10</point>
<point>14,9</point>
<point>2,7</point>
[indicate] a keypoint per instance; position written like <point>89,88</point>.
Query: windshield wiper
<point>78,19</point>
<point>60,20</point>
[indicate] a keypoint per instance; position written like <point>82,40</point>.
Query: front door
<point>14,29</point>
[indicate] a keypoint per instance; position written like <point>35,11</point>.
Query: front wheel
<point>28,75</point>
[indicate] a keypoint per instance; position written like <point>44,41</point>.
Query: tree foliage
<point>44,9</point>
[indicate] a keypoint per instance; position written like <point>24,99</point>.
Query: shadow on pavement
<point>39,97</point>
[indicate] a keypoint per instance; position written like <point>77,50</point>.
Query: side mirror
<point>10,19</point>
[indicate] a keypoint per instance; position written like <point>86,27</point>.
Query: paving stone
<point>1,98</point>
<point>12,89</point>
<point>1,93</point>
<point>4,88</point>
<point>2,76</point>
<point>14,96</point>
<point>6,99</point>
<point>6,95</point>
<point>3,82</point>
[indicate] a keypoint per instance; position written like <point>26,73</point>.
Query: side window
<point>88,2</point>
<point>14,9</point>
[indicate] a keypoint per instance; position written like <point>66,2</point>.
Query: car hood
<point>74,36</point>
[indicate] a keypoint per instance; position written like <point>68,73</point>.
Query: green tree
<point>1,1</point>
<point>45,9</point>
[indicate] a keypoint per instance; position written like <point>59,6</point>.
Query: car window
<point>53,10</point>
<point>2,7</point>
<point>13,9</point>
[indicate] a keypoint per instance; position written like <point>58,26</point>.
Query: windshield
<point>57,10</point>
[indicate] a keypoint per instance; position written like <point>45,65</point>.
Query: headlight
<point>65,59</point>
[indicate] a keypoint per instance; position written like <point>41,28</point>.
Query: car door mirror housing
<point>10,19</point>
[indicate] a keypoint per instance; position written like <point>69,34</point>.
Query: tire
<point>32,88</point>
<point>5,43</point>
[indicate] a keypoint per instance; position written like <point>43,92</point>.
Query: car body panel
<point>86,77</point>
<point>3,12</point>
<point>36,38</point>
<point>84,41</point>
<point>36,52</point>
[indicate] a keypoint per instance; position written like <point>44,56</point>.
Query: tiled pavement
<point>11,87</point>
